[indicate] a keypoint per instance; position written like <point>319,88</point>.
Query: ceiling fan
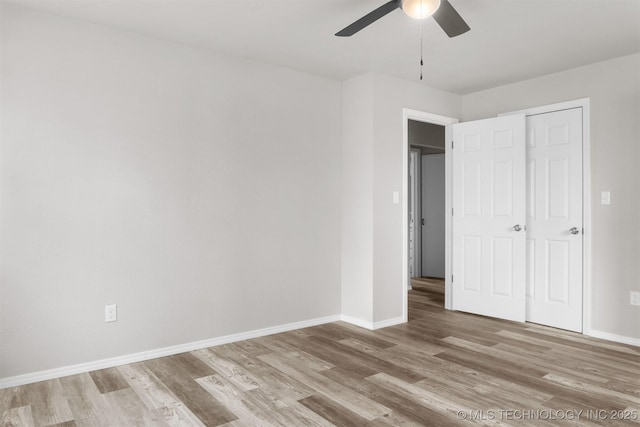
<point>441,10</point>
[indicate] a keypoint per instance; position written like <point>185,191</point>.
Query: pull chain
<point>421,52</point>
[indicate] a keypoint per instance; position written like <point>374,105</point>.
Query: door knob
<point>574,230</point>
<point>517,227</point>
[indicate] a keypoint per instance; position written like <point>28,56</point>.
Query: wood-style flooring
<point>441,368</point>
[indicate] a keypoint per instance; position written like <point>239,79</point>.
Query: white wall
<point>199,193</point>
<point>357,199</point>
<point>614,89</point>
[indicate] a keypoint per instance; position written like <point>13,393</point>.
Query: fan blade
<point>368,19</point>
<point>450,21</point>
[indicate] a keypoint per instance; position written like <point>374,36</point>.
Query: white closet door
<point>554,219</point>
<point>489,217</point>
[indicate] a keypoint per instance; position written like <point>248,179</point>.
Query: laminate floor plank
<point>560,350</point>
<point>108,380</point>
<point>411,352</point>
<point>620,398</point>
<point>393,419</point>
<point>191,364</point>
<point>363,347</point>
<point>617,352</point>
<point>529,349</point>
<point>127,409</point>
<point>524,378</point>
<point>395,402</point>
<point>412,340</point>
<point>585,368</point>
<point>478,397</point>
<point>234,399</point>
<point>452,399</point>
<point>254,348</point>
<point>357,331</point>
<point>442,368</point>
<point>435,330</point>
<point>229,369</point>
<point>157,397</point>
<point>614,371</point>
<point>48,403</point>
<point>593,416</point>
<point>202,404</point>
<point>623,387</point>
<point>271,379</point>
<point>65,424</point>
<point>520,361</point>
<point>254,407</point>
<point>312,362</point>
<point>364,359</point>
<point>152,391</point>
<point>284,412</point>
<point>17,417</point>
<point>85,400</point>
<point>338,331</point>
<point>332,411</point>
<point>480,391</point>
<point>7,395</point>
<point>17,397</point>
<point>583,339</point>
<point>356,402</point>
<point>446,407</point>
<point>330,353</point>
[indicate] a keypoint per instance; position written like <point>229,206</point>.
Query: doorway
<point>412,209</point>
<point>426,200</point>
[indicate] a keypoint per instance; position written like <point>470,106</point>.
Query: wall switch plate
<point>396,197</point>
<point>605,197</point>
<point>635,298</point>
<point>110,313</point>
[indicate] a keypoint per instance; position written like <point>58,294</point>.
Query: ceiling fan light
<point>420,9</point>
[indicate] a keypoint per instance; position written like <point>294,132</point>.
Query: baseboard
<point>613,337</point>
<point>357,322</point>
<point>373,325</point>
<point>389,322</point>
<point>161,352</point>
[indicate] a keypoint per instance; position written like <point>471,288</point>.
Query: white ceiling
<point>510,40</point>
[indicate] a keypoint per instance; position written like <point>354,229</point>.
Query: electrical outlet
<point>110,313</point>
<point>635,298</point>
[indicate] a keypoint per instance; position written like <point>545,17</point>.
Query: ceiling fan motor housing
<point>419,9</point>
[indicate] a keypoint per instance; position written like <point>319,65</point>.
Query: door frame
<point>585,104</point>
<point>447,122</point>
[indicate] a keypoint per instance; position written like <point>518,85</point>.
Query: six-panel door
<point>554,219</point>
<point>489,217</point>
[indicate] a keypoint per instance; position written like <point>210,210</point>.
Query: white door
<point>554,219</point>
<point>489,217</point>
<point>433,215</point>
